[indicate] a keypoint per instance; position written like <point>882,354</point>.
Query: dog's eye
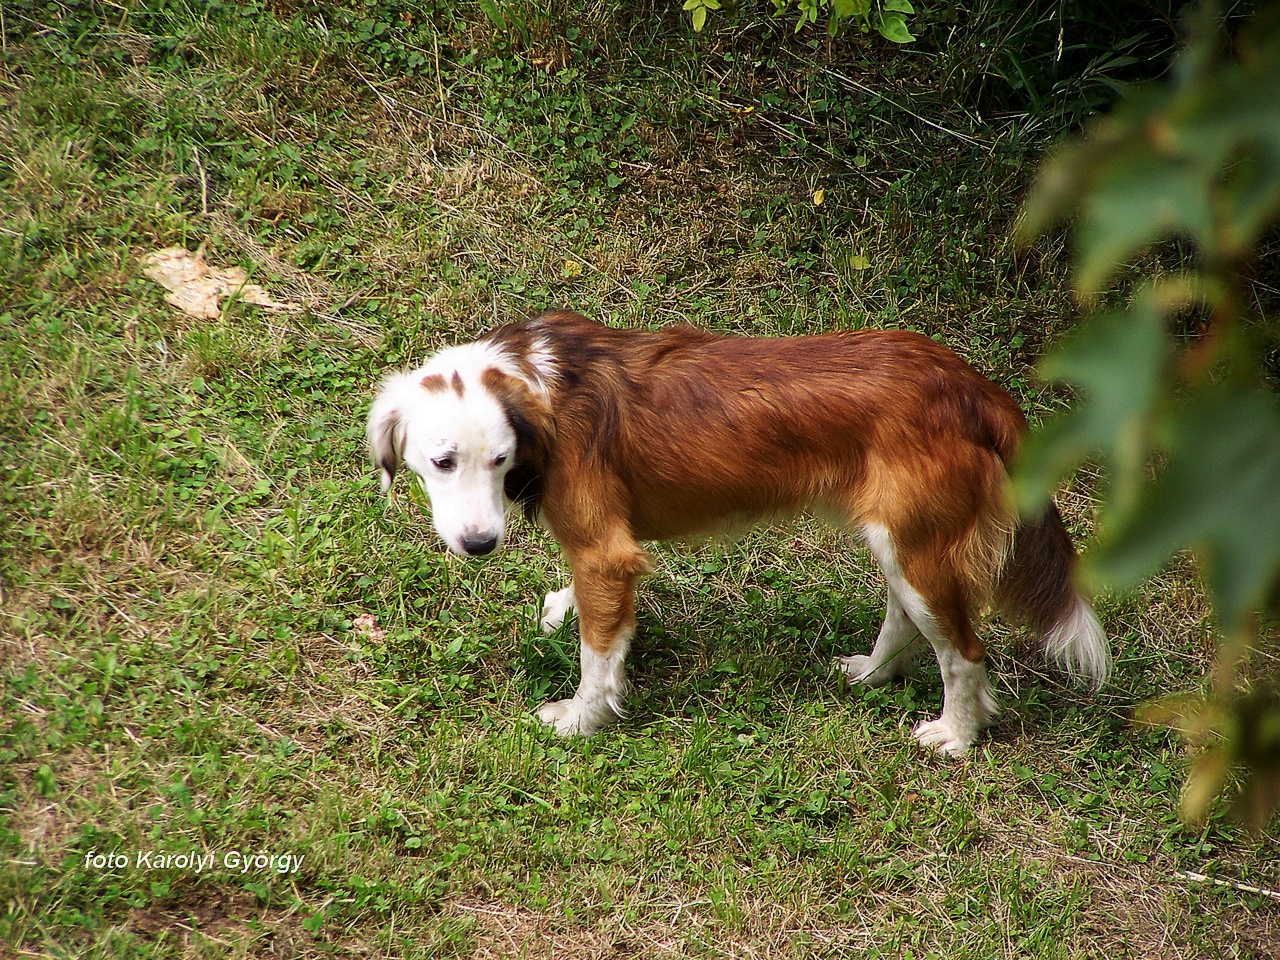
<point>500,459</point>
<point>444,464</point>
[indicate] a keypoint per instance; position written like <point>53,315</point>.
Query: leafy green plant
<point>397,34</point>
<point>887,17</point>
<point>1197,158</point>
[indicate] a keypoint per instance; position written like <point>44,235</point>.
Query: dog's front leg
<point>556,608</point>
<point>604,591</point>
<point>894,654</point>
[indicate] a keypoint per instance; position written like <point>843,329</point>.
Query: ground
<point>217,636</point>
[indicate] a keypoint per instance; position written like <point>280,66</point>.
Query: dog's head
<point>476,431</point>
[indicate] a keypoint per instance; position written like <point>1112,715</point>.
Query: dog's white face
<point>457,438</point>
<point>461,452</point>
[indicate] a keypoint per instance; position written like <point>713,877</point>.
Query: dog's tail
<point>1035,587</point>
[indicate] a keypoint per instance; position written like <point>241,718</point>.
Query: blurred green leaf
<point>1068,173</point>
<point>1212,120</point>
<point>1220,495</point>
<point>1205,781</point>
<point>1252,195</point>
<point>1198,157</point>
<point>1137,199</point>
<point>1240,728</point>
<point>1258,725</point>
<point>1116,363</point>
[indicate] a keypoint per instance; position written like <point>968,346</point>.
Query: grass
<point>217,637</point>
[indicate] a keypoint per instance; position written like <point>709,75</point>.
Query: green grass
<point>190,533</point>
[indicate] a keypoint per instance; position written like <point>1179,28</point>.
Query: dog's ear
<point>531,417</point>
<point>386,434</point>
<point>529,412</point>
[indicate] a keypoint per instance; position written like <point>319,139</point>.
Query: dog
<point>608,438</point>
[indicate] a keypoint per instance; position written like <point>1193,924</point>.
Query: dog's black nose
<point>478,546</point>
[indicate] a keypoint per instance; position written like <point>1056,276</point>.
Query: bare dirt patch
<point>501,930</point>
<point>233,921</point>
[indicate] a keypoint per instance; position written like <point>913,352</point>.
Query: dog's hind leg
<point>940,610</point>
<point>968,702</point>
<point>557,608</point>
<point>604,591</point>
<point>894,654</point>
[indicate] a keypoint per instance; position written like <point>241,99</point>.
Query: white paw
<point>860,669</point>
<point>556,609</point>
<point>943,737</point>
<point>574,717</point>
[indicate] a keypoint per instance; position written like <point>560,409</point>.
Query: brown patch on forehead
<point>433,383</point>
<point>456,382</point>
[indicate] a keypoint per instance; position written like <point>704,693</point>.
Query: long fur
<point>625,437</point>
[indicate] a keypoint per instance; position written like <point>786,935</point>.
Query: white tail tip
<point>1078,643</point>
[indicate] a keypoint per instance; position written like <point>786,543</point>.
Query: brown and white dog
<point>612,437</point>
